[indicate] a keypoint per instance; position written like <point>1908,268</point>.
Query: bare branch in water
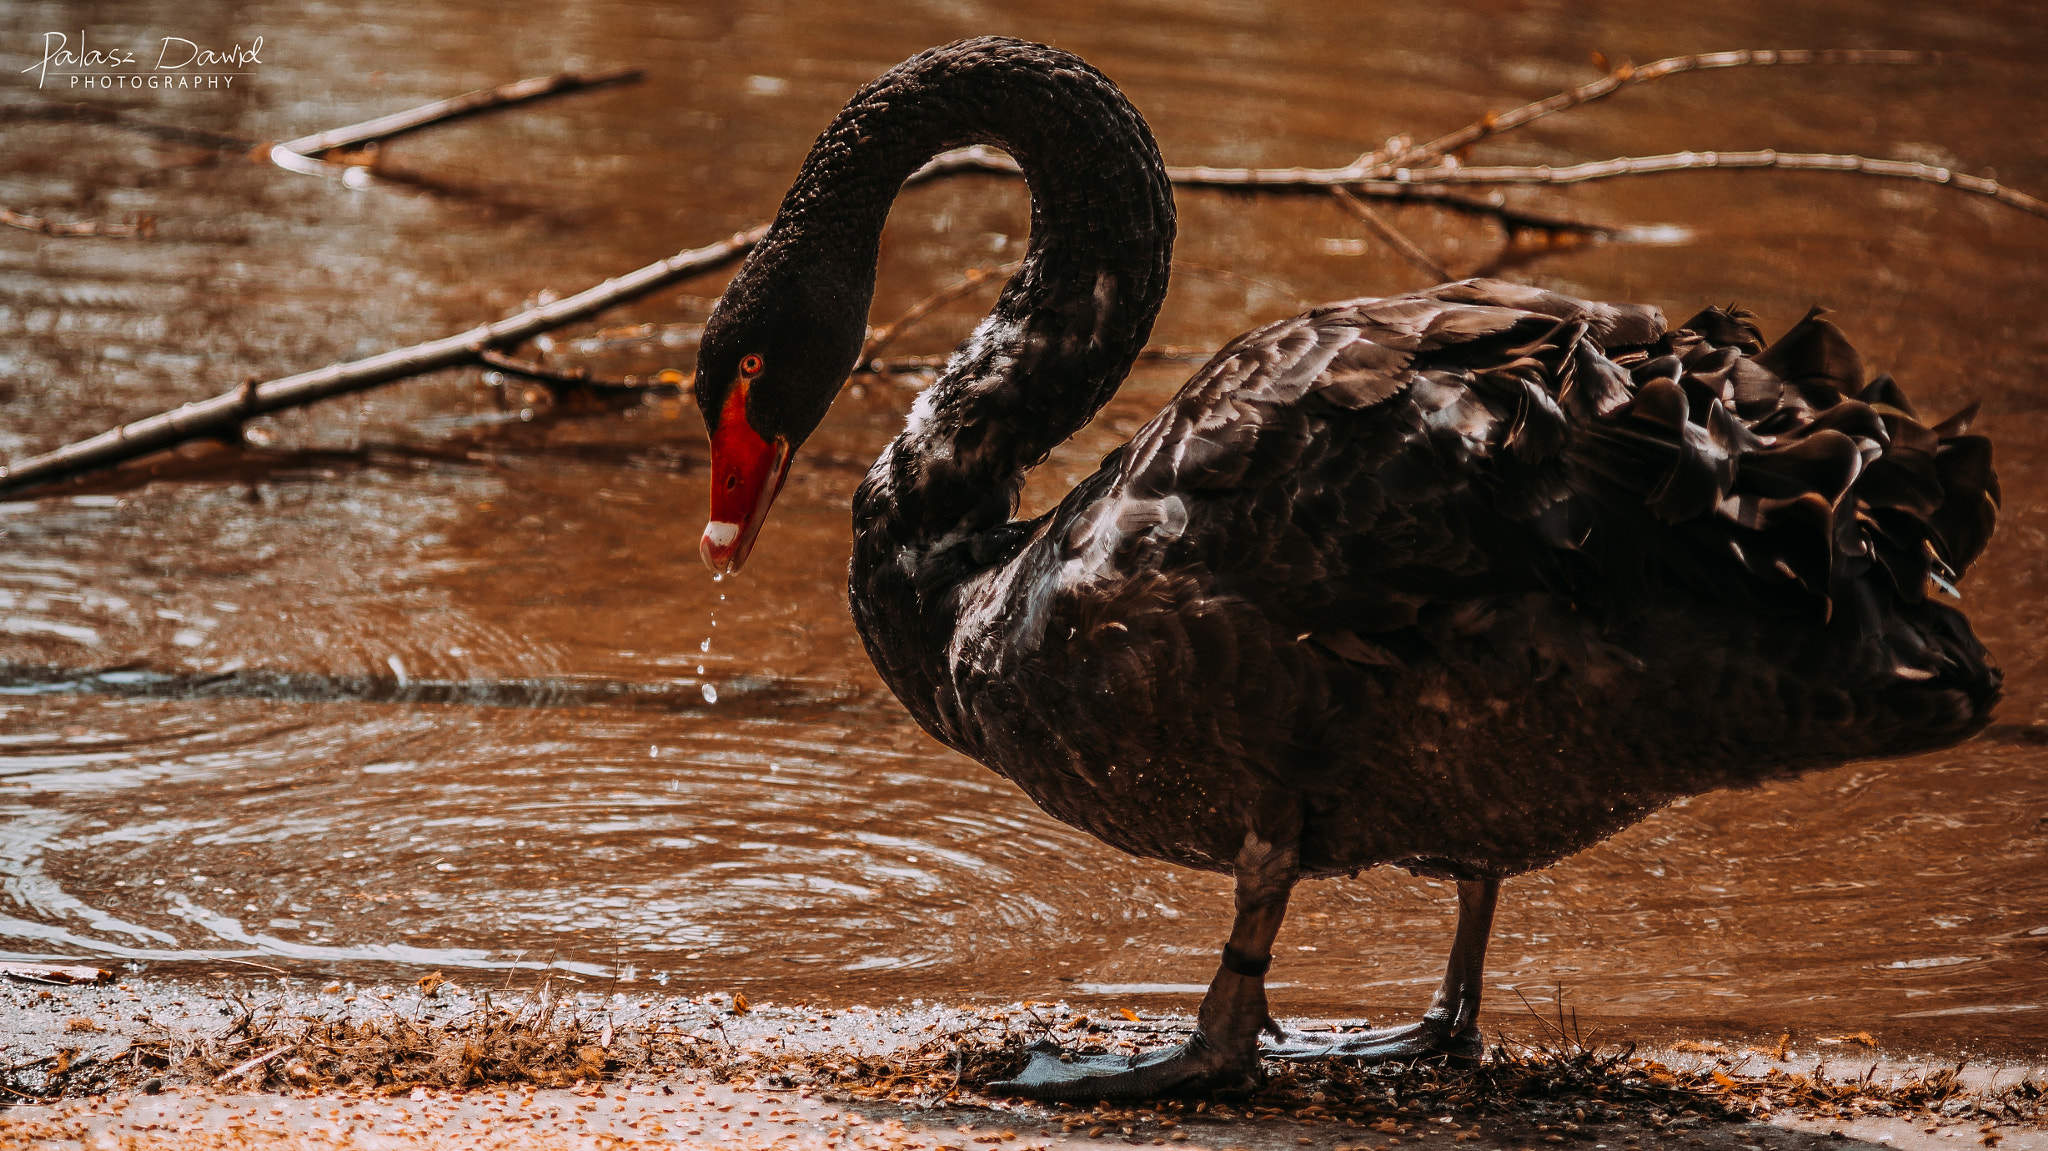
<point>1386,161</point>
<point>307,155</point>
<point>1406,247</point>
<point>456,107</point>
<point>1379,173</point>
<point>354,135</point>
<point>914,365</point>
<point>882,337</point>
<point>561,381</point>
<point>1387,174</point>
<point>980,158</point>
<point>974,278</point>
<point>224,414</point>
<point>1782,161</point>
<point>1225,275</point>
<point>142,229</point>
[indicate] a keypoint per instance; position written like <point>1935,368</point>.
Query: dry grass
<point>526,1040</point>
<point>1561,1086</point>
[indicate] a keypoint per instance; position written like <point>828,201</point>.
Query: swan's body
<point>1462,581</point>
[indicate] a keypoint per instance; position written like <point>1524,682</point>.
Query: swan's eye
<point>750,365</point>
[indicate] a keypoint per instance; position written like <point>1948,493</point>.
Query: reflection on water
<point>436,682</point>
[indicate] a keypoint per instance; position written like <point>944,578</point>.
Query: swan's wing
<point>1346,467</point>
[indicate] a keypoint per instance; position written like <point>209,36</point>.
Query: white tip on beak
<point>720,534</point>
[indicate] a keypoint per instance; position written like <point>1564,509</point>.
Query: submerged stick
<point>980,158</point>
<point>456,107</point>
<point>307,155</point>
<point>1767,158</point>
<point>1408,249</point>
<point>912,365</point>
<point>243,1068</point>
<point>560,380</point>
<point>224,414</point>
<point>885,335</point>
<point>1626,75</point>
<point>369,131</point>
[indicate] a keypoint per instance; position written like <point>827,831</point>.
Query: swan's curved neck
<point>1069,323</point>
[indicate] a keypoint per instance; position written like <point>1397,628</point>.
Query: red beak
<point>746,476</point>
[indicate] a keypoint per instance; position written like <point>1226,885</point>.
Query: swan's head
<point>768,368</point>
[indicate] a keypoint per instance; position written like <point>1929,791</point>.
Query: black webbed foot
<point>1192,1066</point>
<point>1223,1053</point>
<point>1430,1039</point>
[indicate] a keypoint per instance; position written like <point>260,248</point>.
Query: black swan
<point>1461,581</point>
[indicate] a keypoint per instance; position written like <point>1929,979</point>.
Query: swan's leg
<point>1449,1030</point>
<point>1224,1050</point>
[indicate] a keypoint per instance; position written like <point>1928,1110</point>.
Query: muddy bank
<point>441,1063</point>
<point>668,1114</point>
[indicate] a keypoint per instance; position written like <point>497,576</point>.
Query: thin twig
<point>142,229</point>
<point>973,278</point>
<point>247,1066</point>
<point>1367,174</point>
<point>468,104</point>
<point>1205,272</point>
<point>308,155</point>
<point>667,381</point>
<point>1424,182</point>
<point>981,158</point>
<point>910,365</point>
<point>639,334</point>
<point>224,413</point>
<point>879,338</point>
<point>1625,76</point>
<point>1767,158</point>
<point>1386,231</point>
<point>250,963</point>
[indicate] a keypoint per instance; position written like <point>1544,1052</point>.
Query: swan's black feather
<point>1477,587</point>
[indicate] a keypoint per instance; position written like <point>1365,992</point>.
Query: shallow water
<point>430,681</point>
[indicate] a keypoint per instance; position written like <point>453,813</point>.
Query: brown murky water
<point>439,682</point>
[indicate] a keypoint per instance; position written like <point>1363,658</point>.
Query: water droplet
<point>700,669</point>
<point>706,645</point>
<point>710,694</point>
<point>653,750</point>
<point>718,577</point>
